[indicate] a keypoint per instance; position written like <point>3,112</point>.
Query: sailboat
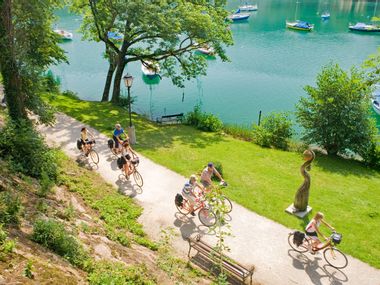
<point>298,24</point>
<point>248,7</point>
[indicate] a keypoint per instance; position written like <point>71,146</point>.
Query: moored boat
<point>150,69</point>
<point>299,25</point>
<point>362,27</point>
<point>237,16</point>
<point>65,35</point>
<point>248,8</point>
<point>325,16</point>
<point>207,50</point>
<point>375,100</point>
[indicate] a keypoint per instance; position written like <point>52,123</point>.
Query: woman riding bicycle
<point>312,229</point>
<point>188,192</point>
<point>86,143</point>
<point>128,153</point>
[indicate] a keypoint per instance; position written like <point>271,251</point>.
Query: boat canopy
<point>302,24</point>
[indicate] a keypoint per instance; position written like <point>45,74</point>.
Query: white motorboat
<point>150,69</point>
<point>65,35</point>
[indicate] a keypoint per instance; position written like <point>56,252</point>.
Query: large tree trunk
<point>117,79</point>
<point>9,69</point>
<point>111,69</point>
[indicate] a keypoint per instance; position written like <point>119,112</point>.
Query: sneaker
<point>192,213</point>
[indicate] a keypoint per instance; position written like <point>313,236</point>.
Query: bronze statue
<point>301,199</point>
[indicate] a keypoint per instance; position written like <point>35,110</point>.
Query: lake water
<point>268,69</point>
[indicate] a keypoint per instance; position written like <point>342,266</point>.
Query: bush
<point>10,207</point>
<point>109,273</point>
<point>26,151</point>
<point>52,234</point>
<point>70,94</point>
<point>50,82</point>
<point>203,121</point>
<point>124,102</point>
<point>275,131</point>
<point>6,245</point>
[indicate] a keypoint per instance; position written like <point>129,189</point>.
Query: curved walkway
<point>257,240</point>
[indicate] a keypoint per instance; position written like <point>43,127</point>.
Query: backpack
<point>178,200</point>
<point>120,162</point>
<point>110,143</point>
<point>79,144</point>
<point>298,238</point>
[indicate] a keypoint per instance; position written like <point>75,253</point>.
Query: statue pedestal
<point>299,214</point>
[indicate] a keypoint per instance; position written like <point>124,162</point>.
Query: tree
<point>165,31</point>
<point>335,115</point>
<point>28,46</point>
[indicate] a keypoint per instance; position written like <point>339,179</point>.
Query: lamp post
<point>128,80</point>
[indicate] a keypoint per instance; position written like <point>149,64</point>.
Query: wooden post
<point>259,118</point>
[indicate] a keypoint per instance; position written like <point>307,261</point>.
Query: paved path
<point>257,240</point>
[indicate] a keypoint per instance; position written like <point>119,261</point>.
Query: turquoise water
<point>268,69</point>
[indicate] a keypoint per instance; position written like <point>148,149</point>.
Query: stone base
<point>132,135</point>
<point>299,214</point>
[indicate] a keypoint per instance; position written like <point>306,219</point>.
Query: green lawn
<point>262,180</point>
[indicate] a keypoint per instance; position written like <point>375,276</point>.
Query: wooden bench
<point>206,253</point>
<point>170,119</point>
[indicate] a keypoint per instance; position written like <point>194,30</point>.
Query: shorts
<point>313,235</point>
<point>116,142</point>
<point>189,197</point>
<point>86,142</point>
<point>127,156</point>
<point>205,183</point>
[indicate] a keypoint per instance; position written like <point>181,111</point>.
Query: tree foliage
<point>335,115</point>
<point>28,46</point>
<point>165,31</point>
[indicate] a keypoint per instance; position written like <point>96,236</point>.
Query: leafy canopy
<point>335,114</point>
<point>158,30</point>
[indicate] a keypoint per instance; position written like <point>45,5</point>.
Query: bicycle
<point>90,151</point>
<point>115,150</point>
<point>331,254</point>
<point>227,204</point>
<point>206,216</point>
<point>129,168</point>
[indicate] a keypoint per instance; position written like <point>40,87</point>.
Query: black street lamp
<point>128,80</point>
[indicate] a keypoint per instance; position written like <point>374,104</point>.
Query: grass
<point>262,180</point>
<point>119,212</point>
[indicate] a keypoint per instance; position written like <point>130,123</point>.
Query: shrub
<point>124,102</point>
<point>52,234</point>
<point>218,166</point>
<point>26,151</point>
<point>6,245</point>
<point>274,131</point>
<point>109,273</point>
<point>10,208</point>
<point>203,121</point>
<point>50,82</point>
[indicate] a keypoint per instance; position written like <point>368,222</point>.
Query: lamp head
<point>128,80</point>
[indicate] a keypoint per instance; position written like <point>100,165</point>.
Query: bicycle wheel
<point>94,156</point>
<point>184,209</point>
<point>114,151</point>
<point>138,178</point>
<point>304,247</point>
<point>227,205</point>
<point>207,217</point>
<point>335,257</point>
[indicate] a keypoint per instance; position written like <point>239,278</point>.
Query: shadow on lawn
<point>103,117</point>
<point>346,167</point>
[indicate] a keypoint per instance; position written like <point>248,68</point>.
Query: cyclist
<point>312,229</point>
<point>126,152</point>
<point>86,143</point>
<point>188,192</point>
<point>117,132</point>
<point>207,173</point>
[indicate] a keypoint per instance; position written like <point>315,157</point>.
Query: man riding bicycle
<point>207,174</point>
<point>117,132</point>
